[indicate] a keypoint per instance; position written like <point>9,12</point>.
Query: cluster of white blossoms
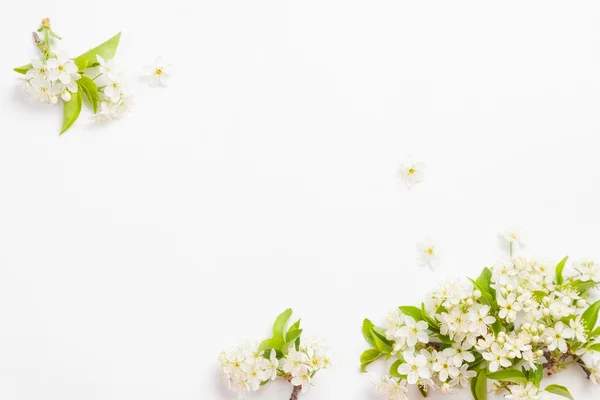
<point>113,91</point>
<point>245,368</point>
<point>517,320</point>
<point>49,79</point>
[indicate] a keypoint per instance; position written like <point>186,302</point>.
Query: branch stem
<point>296,392</point>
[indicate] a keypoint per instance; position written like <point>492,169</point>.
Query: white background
<point>264,177</point>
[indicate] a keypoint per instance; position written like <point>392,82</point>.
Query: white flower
<point>521,392</point>
<point>270,365</point>
<point>106,66</point>
<point>392,388</point>
<point>255,375</point>
<point>105,114</point>
<point>414,367</point>
<point>592,363</point>
<point>158,73</point>
<point>509,306</point>
<point>115,86</point>
<point>301,377</point>
<point>44,91</point>
<point>427,253</point>
<point>124,105</point>
<point>39,70</point>
<point>578,329</point>
<point>556,337</point>
<point>414,331</point>
<point>463,377</point>
<point>445,367</point>
<point>295,362</point>
<point>497,358</point>
<point>62,68</point>
<point>513,235</point>
<point>457,354</point>
<point>480,319</point>
<point>411,172</point>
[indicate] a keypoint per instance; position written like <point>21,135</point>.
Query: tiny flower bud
<point>501,334</point>
<point>535,339</point>
<point>581,303</point>
<point>46,23</point>
<point>509,287</point>
<point>511,354</point>
<point>546,312</point>
<point>53,99</point>
<point>469,302</point>
<point>541,328</point>
<point>520,290</point>
<point>548,340</point>
<point>540,353</point>
<point>500,340</point>
<point>66,96</point>
<point>503,291</point>
<point>527,326</point>
<point>477,294</point>
<point>445,387</point>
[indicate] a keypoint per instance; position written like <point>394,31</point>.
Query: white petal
<point>72,86</point>
<point>52,63</point>
<point>64,77</point>
<point>66,96</point>
<point>71,67</point>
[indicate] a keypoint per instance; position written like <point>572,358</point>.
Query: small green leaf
<point>71,111</point>
<point>384,345</point>
<point>484,280</point>
<point>292,335</point>
<point>508,375</point>
<point>496,327</point>
<point>582,287</point>
<point>367,357</point>
<point>295,325</point>
<point>279,327</point>
<point>481,386</point>
<point>366,331</point>
<point>590,316</point>
<point>594,347</point>
<point>595,333</point>
<point>106,50</point>
<point>559,390</point>
<point>486,298</point>
<point>89,88</point>
<point>23,69</point>
<point>537,375</point>
<point>433,324</point>
<point>559,271</point>
<point>394,368</point>
<point>538,295</point>
<point>412,311</point>
<point>473,384</point>
<point>266,345</point>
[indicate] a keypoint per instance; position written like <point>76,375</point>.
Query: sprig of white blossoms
<point>52,77</point>
<point>518,320</point>
<point>249,366</point>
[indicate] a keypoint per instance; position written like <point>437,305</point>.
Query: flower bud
<point>500,339</point>
<point>503,291</point>
<point>527,326</point>
<point>46,23</point>
<point>511,354</point>
<point>66,96</point>
<point>535,339</point>
<point>469,302</point>
<point>540,353</point>
<point>546,312</point>
<point>520,290</point>
<point>548,340</point>
<point>477,294</point>
<point>53,99</point>
<point>445,387</point>
<point>541,328</point>
<point>509,286</point>
<point>581,303</point>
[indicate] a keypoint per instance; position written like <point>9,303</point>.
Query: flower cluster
<point>53,76</point>
<point>249,366</point>
<point>518,320</point>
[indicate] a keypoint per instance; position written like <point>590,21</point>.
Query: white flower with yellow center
<point>411,172</point>
<point>158,73</point>
<point>427,253</point>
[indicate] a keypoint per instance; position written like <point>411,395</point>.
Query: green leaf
<point>89,88</point>
<point>292,335</point>
<point>71,111</point>
<point>485,279</point>
<point>433,324</point>
<point>295,325</point>
<point>266,345</point>
<point>367,357</point>
<point>538,295</point>
<point>594,347</point>
<point>481,386</point>
<point>581,286</point>
<point>473,384</point>
<point>595,333</point>
<point>537,375</point>
<point>366,331</point>
<point>486,298</point>
<point>23,69</point>
<point>394,368</point>
<point>384,345</point>
<point>106,50</point>
<point>590,316</point>
<point>412,311</point>
<point>496,327</point>
<point>508,375</point>
<point>559,271</point>
<point>279,327</point>
<point>559,390</point>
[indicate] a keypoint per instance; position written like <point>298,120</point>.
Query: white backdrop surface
<point>263,178</point>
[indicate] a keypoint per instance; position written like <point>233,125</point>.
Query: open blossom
<point>445,368</point>
<point>392,388</point>
<point>509,307</point>
<point>414,367</point>
<point>497,357</point>
<point>411,172</point>
<point>556,337</point>
<point>458,354</point>
<point>414,331</point>
<point>592,363</point>
<point>158,73</point>
<point>524,392</point>
<point>427,253</point>
<point>513,235</point>
<point>480,319</point>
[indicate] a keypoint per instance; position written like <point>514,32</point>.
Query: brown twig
<point>584,368</point>
<point>296,392</point>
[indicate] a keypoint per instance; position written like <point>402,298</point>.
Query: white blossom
<point>158,73</point>
<point>414,367</point>
<point>392,388</point>
<point>411,172</point>
<point>427,253</point>
<point>512,234</point>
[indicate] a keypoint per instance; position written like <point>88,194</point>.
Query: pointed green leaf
<point>23,69</point>
<point>559,271</point>
<point>89,88</point>
<point>481,386</point>
<point>295,325</point>
<point>394,369</point>
<point>559,390</point>
<point>590,316</point>
<point>292,335</point>
<point>582,287</point>
<point>595,332</point>
<point>366,331</point>
<point>508,375</point>
<point>594,347</point>
<point>279,327</point>
<point>106,50</point>
<point>433,324</point>
<point>412,311</point>
<point>367,357</point>
<point>486,298</point>
<point>384,345</point>
<point>537,375</point>
<point>265,345</point>
<point>71,111</point>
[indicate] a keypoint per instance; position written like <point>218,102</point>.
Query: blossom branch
<point>296,392</point>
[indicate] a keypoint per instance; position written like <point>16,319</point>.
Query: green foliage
<point>23,69</point>
<point>367,326</point>
<point>106,50</point>
<point>381,343</point>
<point>282,336</point>
<point>71,111</point>
<point>508,375</point>
<point>481,386</point>
<point>559,390</point>
<point>90,90</point>
<point>367,357</point>
<point>559,271</point>
<point>433,324</point>
<point>412,311</point>
<point>594,347</point>
<point>394,368</point>
<point>590,316</point>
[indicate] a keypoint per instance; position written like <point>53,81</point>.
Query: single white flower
<point>105,114</point>
<point>457,354</point>
<point>480,319</point>
<point>414,367</point>
<point>497,358</point>
<point>158,73</point>
<point>106,66</point>
<point>271,364</point>
<point>295,362</point>
<point>414,331</point>
<point>592,363</point>
<point>44,91</point>
<point>427,253</point>
<point>411,172</point>
<point>556,337</point>
<point>512,234</point>
<point>463,377</point>
<point>521,392</point>
<point>124,105</point>
<point>61,68</point>
<point>39,70</point>
<point>578,329</point>
<point>445,368</point>
<point>301,377</point>
<point>115,86</point>
<point>255,375</point>
<point>509,306</point>
<point>391,388</point>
